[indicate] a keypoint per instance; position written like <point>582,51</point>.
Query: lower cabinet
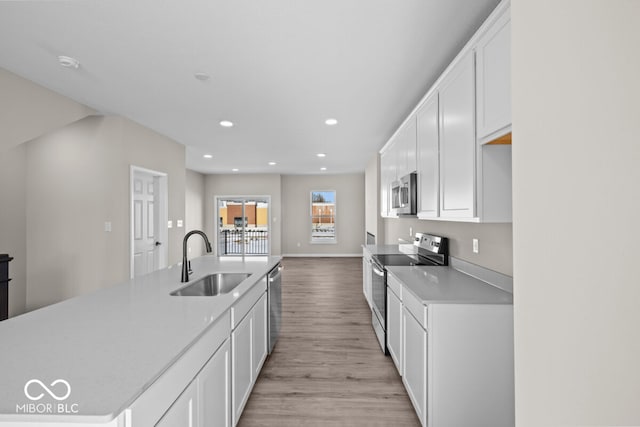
<point>367,278</point>
<point>214,390</point>
<point>414,364</point>
<point>206,401</point>
<point>249,350</point>
<point>183,412</point>
<point>394,328</point>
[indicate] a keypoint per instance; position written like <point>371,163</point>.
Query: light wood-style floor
<point>327,368</point>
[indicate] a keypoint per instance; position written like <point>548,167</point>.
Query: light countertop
<point>407,248</point>
<point>446,285</point>
<point>111,345</point>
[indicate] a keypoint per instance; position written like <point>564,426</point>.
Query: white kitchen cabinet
<point>259,335</point>
<point>414,373</point>
<point>242,366</point>
<point>367,277</point>
<point>248,349</point>
<point>394,328</point>
<point>184,411</point>
<point>493,79</point>
<point>457,362</point>
<point>214,389</point>
<point>428,142</point>
<point>405,147</point>
<point>457,140</point>
<point>387,176</point>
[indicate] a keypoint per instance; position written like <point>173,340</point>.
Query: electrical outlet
<point>475,246</point>
<point>410,231</point>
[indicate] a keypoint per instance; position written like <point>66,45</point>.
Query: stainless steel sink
<point>212,285</point>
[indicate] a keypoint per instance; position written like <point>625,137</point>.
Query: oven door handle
<point>377,272</point>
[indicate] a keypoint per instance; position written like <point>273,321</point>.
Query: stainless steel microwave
<point>404,195</point>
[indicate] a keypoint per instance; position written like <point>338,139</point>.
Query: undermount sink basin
<point>212,285</point>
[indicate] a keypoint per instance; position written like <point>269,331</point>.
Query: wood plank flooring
<point>327,368</point>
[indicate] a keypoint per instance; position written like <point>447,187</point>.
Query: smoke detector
<point>68,62</point>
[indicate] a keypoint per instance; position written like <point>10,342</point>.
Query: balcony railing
<point>254,242</point>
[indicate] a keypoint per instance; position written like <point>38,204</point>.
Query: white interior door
<point>148,200</point>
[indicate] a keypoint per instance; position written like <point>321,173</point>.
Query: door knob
<point>158,243</point>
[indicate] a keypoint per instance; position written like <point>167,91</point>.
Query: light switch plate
<point>170,224</point>
<point>475,246</point>
<point>107,226</point>
<point>179,223</point>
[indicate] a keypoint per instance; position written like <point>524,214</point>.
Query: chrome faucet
<point>185,266</point>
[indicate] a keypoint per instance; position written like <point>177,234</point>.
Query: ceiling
<point>277,69</point>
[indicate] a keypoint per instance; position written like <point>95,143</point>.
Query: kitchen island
<point>109,347</point>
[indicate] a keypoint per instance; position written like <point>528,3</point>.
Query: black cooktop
<point>402,260</point>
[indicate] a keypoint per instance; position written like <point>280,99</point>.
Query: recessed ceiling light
<point>272,163</point>
<point>323,169</point>
<point>321,155</point>
<point>203,77</point>
<point>208,156</point>
<point>235,170</point>
<point>68,62</point>
<point>226,123</point>
<point>331,122</point>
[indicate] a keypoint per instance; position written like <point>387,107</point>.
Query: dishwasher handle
<point>273,277</point>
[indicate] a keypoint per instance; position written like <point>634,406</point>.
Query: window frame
<point>314,240</point>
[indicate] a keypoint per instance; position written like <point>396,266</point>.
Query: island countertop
<point>111,345</point>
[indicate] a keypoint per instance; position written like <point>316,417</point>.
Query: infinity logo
<point>52,394</point>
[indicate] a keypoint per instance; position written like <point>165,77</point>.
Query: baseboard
<point>357,255</point>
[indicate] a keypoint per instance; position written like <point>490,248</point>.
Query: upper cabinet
<point>493,57</point>
<point>457,140</point>
<point>405,146</point>
<point>387,176</point>
<point>460,134</point>
<point>428,162</point>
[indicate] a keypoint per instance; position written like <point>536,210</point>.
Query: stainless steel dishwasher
<point>274,297</point>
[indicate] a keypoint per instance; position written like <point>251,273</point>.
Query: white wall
<point>245,185</point>
<point>194,210</point>
<point>494,240</point>
<point>350,207</point>
<point>28,110</point>
<point>576,200</point>
<point>78,178</point>
<point>13,223</point>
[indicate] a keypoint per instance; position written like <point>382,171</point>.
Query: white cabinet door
<point>414,374</point>
<point>367,278</point>
<point>493,56</point>
<point>405,146</point>
<point>387,176</point>
<point>259,314</point>
<point>184,411</point>
<point>242,365</point>
<point>428,162</point>
<point>214,389</point>
<point>457,141</point>
<point>394,328</point>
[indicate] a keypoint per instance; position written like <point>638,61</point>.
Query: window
<point>323,217</point>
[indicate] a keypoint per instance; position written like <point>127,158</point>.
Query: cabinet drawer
<point>415,307</point>
<point>395,285</point>
<point>153,402</point>
<point>248,300</point>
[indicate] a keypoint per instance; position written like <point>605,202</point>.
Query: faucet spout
<point>185,267</point>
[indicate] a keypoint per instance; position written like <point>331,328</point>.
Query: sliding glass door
<point>243,225</point>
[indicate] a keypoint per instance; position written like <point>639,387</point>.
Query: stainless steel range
<point>429,250</point>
